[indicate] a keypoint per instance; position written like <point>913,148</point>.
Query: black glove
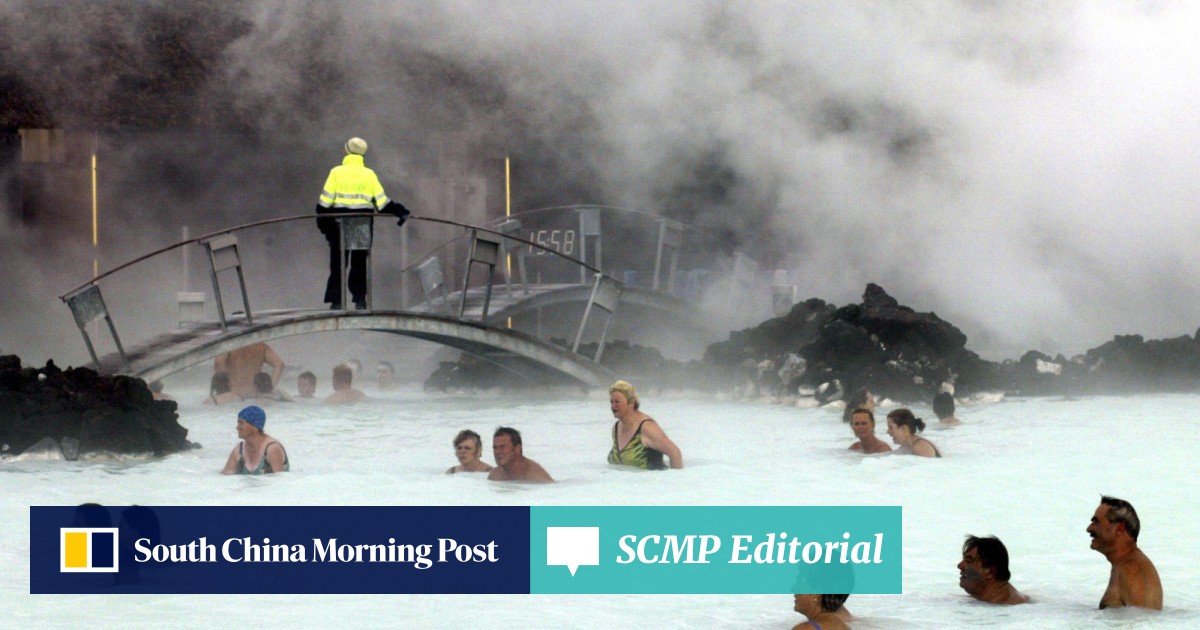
<point>396,208</point>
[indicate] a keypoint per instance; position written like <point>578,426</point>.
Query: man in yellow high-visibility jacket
<point>351,187</point>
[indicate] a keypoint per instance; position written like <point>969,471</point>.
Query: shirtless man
<point>242,364</point>
<point>511,463</point>
<point>343,392</point>
<point>862,421</point>
<point>1133,580</point>
<point>983,572</point>
<point>468,447</point>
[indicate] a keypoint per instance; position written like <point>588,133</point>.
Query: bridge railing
<point>486,246</point>
<point>586,227</point>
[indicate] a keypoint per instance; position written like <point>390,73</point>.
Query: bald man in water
<point>1133,580</point>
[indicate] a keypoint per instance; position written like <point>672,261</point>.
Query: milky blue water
<point>1030,471</point>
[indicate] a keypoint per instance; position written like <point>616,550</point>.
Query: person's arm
<point>654,437</point>
<point>275,362</point>
<point>275,457</point>
<point>219,363</point>
<point>231,463</point>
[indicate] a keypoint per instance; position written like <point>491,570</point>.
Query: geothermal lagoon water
<point>1030,471</point>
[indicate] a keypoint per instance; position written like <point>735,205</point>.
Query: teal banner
<point>715,550</point>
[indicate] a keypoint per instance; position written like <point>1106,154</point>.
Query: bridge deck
<point>513,350</point>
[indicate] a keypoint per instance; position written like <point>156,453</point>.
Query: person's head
<point>306,384</point>
<point>622,395</point>
<point>943,405</point>
<point>385,374</point>
<point>862,422</point>
<point>263,384</point>
<point>811,605</point>
<point>220,384</point>
<point>902,424</point>
<point>155,386</point>
<point>468,446</point>
<point>251,420</point>
<point>355,366</point>
<point>1113,519</point>
<point>984,560</point>
<point>506,446</point>
<point>355,146</point>
<point>343,376</point>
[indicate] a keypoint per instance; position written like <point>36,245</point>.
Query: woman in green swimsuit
<point>257,453</point>
<point>638,441</point>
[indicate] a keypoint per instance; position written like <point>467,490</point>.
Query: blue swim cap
<point>254,415</point>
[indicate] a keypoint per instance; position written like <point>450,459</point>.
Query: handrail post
<point>589,225</point>
<point>483,248</point>
<point>87,305</point>
<point>606,295</point>
<point>670,235</point>
<point>223,254</point>
<point>430,275</point>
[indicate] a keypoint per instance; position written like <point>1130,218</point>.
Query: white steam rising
<point>1027,172</point>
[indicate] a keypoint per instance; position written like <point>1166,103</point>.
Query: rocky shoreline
<point>83,414</point>
<point>826,352</point>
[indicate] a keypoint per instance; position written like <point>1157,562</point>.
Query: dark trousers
<point>357,259</point>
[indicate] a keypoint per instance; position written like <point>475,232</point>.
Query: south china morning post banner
<point>507,550</point>
<point>716,550</point>
<point>330,550</point>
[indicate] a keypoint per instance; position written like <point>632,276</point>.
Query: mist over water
<point>1026,172</point>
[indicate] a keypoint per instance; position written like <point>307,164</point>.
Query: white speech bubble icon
<point>573,546</point>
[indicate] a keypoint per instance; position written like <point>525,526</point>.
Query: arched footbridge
<point>471,319</point>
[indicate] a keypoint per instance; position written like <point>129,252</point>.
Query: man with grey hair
<point>1133,580</point>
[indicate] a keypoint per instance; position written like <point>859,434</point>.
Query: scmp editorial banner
<point>717,550</point>
<point>678,549</point>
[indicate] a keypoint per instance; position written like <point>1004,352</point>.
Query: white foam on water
<point>1030,471</point>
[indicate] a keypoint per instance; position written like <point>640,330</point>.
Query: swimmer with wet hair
<point>645,443</point>
<point>862,422</point>
<point>468,448</point>
<point>943,408</point>
<point>822,611</point>
<point>903,426</point>
<point>511,463</point>
<point>306,384</point>
<point>220,390</point>
<point>343,389</point>
<point>983,572</point>
<point>1133,580</point>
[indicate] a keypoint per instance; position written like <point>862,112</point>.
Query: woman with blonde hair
<point>638,441</point>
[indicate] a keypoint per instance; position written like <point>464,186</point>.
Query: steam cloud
<point>1027,172</point>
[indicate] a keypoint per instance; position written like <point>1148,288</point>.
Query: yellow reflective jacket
<point>352,187</point>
